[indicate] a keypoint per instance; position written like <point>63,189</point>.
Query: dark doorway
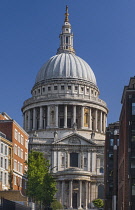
<point>74,200</point>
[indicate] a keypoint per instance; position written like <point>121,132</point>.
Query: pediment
<point>74,139</point>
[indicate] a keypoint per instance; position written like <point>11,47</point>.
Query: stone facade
<point>66,120</point>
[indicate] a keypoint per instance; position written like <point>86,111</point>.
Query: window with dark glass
<point>69,87</point>
<point>69,122</point>
<point>101,170</point>
<point>43,89</point>
<point>133,162</point>
<point>49,88</point>
<point>62,87</point>
<point>1,148</point>
<point>133,186</point>
<point>85,162</point>
<point>55,87</point>
<point>133,108</point>
<point>111,142</point>
<point>76,88</point>
<point>67,39</point>
<point>61,122</point>
<point>73,159</point>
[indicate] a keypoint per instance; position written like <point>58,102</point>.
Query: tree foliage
<point>98,203</point>
<point>41,185</point>
<point>56,205</point>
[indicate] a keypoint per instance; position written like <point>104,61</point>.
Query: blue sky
<point>104,36</point>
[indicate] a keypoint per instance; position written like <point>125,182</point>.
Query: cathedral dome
<point>66,66</point>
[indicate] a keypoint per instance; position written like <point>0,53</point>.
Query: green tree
<point>49,189</point>
<point>41,184</point>
<point>98,203</point>
<point>56,205</point>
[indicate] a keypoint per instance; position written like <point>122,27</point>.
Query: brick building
<point>111,166</point>
<point>5,162</point>
<point>126,166</point>
<point>16,135</point>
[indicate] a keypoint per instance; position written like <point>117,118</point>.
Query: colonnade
<point>49,117</point>
<point>84,195</point>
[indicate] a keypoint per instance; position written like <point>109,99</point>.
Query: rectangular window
<point>19,151</point>
<point>22,153</point>
<point>5,178</point>
<point>19,137</point>
<point>61,122</point>
<point>133,108</point>
<point>26,144</point>
<point>132,162</point>
<point>85,162</point>
<point>15,149</point>
<point>76,88</point>
<point>62,87</point>
<point>67,39</point>
<point>18,166</point>
<point>69,87</point>
<point>5,150</point>
<point>20,182</point>
<point>1,148</point>
<point>1,176</point>
<point>26,156</point>
<point>22,139</point>
<point>21,168</point>
<point>16,134</point>
<point>73,159</point>
<point>43,89</point>
<point>1,162</point>
<point>15,165</point>
<point>49,88</point>
<point>82,89</point>
<point>55,87</point>
<point>14,180</point>
<point>5,163</point>
<point>111,142</point>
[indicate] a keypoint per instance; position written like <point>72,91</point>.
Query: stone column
<point>48,116</point>
<point>34,119</point>
<point>89,192</point>
<point>90,119</point>
<point>74,114</point>
<point>82,117</point>
<point>41,118</point>
<point>80,195</point>
<point>104,122</point>
<point>94,162</point>
<point>95,121</point>
<point>101,121</point>
<point>28,120</point>
<point>86,195</point>
<point>62,191</point>
<point>65,116</point>
<point>70,193</point>
<point>25,121</point>
<point>56,116</point>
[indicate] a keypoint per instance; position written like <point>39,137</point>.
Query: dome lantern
<point>66,37</point>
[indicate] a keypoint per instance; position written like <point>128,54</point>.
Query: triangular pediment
<point>74,139</point>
